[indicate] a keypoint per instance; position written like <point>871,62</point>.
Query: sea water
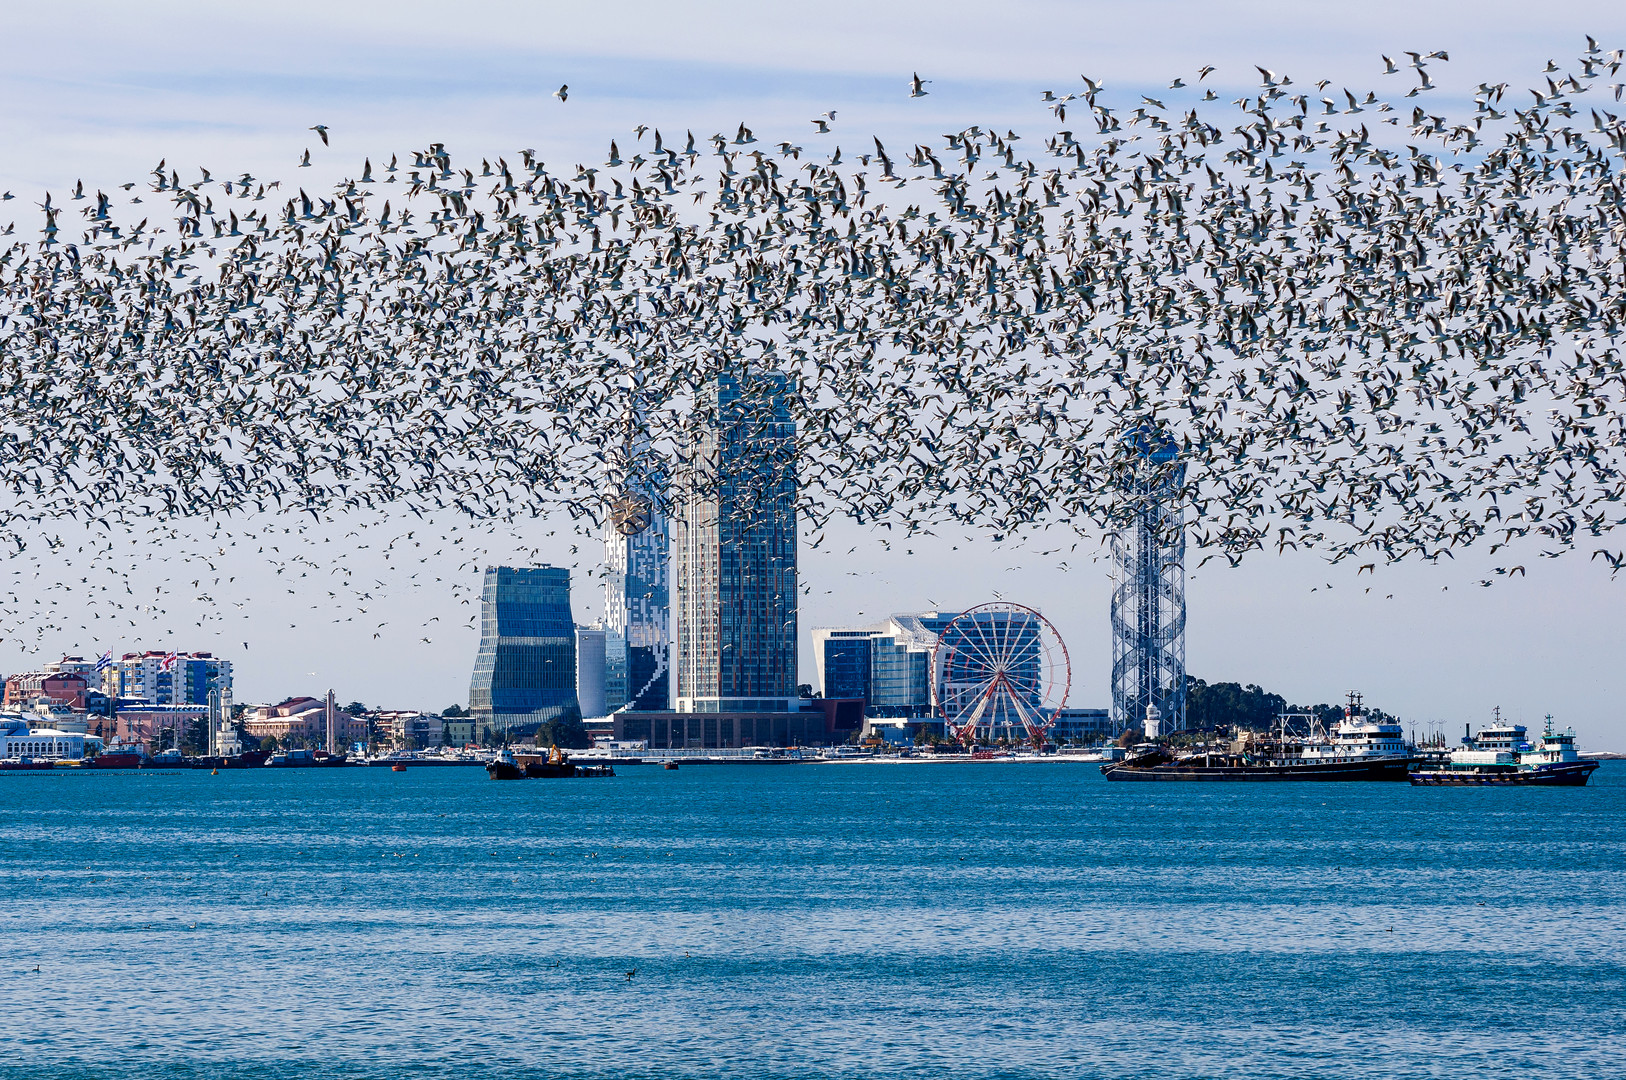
<point>844,920</point>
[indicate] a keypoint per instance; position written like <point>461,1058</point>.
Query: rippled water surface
<point>968,920</point>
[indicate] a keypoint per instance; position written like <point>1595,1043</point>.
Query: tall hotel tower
<point>637,619</point>
<point>736,552</point>
<point>525,672</point>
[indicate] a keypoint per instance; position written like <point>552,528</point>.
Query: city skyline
<point>450,448</point>
<point>1439,649</point>
<point>1389,648</point>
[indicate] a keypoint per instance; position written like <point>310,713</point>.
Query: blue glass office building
<point>525,673</point>
<point>888,665</point>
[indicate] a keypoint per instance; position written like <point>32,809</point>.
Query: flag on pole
<point>104,661</point>
<point>169,661</point>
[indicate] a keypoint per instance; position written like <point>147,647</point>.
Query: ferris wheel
<point>1002,674</point>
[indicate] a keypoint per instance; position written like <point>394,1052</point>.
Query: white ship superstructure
<point>1357,737</point>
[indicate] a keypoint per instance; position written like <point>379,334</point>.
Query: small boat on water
<point>1501,756</point>
<point>555,763</point>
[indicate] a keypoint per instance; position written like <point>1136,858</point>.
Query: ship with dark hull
<point>248,759</point>
<point>1501,756</point>
<point>552,765</point>
<point>1221,766</point>
<point>1360,747</point>
<point>305,759</point>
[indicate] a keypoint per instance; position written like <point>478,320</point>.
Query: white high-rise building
<point>168,678</point>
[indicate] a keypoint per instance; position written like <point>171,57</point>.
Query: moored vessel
<point>1501,756</point>
<point>26,763</point>
<point>248,759</point>
<point>1360,747</point>
<point>305,759</point>
<point>119,755</point>
<point>555,763</point>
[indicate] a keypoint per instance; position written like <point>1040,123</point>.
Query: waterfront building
<point>168,678</point>
<point>525,672</point>
<point>637,617</point>
<point>1086,726</point>
<point>28,687</point>
<point>56,714</point>
<point>77,664</point>
<point>153,724</point>
<point>18,739</point>
<point>887,664</point>
<point>892,664</point>
<point>711,731</point>
<point>411,730</point>
<point>1149,600</point>
<point>302,721</point>
<point>459,730</point>
<point>736,553</point>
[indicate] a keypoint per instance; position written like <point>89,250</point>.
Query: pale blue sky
<point>103,90</point>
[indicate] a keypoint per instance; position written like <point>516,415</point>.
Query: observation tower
<point>1149,602</point>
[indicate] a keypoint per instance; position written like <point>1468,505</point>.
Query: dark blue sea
<point>971,920</point>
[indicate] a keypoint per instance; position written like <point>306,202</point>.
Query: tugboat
<point>1500,756</point>
<point>1360,748</point>
<point>504,767</point>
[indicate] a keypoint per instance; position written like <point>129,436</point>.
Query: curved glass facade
<point>525,673</point>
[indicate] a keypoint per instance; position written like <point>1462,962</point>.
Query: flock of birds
<point>1372,328</point>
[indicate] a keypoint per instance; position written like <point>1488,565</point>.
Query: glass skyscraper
<point>637,619</point>
<point>736,552</point>
<point>525,673</point>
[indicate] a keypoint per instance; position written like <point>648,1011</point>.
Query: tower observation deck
<point>1149,601</point>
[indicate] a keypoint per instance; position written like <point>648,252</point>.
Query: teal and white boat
<point>1501,756</point>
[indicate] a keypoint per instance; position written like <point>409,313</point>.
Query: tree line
<point>1220,705</point>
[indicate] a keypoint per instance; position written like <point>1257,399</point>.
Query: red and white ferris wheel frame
<point>949,644</point>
